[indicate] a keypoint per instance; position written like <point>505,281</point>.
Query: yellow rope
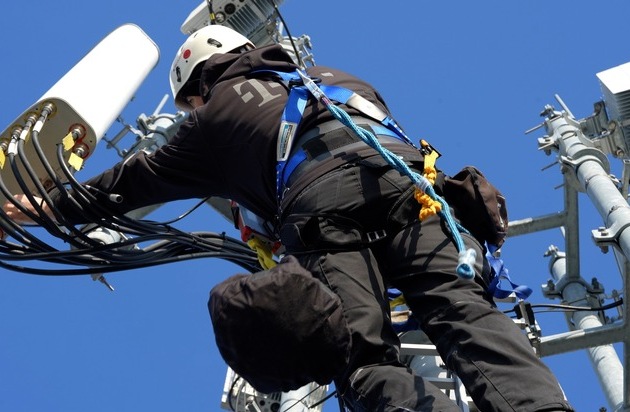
<point>429,207</point>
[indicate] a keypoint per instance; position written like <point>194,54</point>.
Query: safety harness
<point>302,88</point>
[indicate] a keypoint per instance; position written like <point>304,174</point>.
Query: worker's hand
<point>17,215</point>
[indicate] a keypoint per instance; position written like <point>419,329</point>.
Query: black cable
<point>167,244</point>
<point>45,221</point>
<point>297,53</point>
<point>300,401</point>
<point>42,156</point>
<point>11,253</point>
<point>58,184</point>
<point>213,19</point>
<point>108,267</point>
<point>15,230</point>
<point>80,196</point>
<point>188,212</point>
<point>25,190</point>
<point>8,225</point>
<point>182,237</point>
<point>342,407</point>
<point>227,249</point>
<point>18,143</point>
<point>232,386</point>
<point>93,211</point>
<point>570,308</point>
<point>316,404</point>
<point>580,308</point>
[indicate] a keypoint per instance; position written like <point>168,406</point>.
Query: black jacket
<point>227,148</point>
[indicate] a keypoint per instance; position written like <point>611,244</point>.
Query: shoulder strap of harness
<point>299,94</point>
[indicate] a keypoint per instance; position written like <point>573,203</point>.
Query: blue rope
<point>465,267</point>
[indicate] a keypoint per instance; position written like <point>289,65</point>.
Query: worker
<point>345,213</point>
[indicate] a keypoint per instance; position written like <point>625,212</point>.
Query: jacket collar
<point>221,67</point>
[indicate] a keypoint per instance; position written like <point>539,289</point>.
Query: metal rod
<point>531,225</point>
<point>572,230</point>
<point>603,357</point>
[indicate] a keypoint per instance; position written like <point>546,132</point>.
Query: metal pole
<point>587,169</point>
<point>603,358</point>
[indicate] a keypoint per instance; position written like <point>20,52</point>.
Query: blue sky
<point>470,77</point>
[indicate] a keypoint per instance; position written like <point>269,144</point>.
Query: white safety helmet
<point>196,50</point>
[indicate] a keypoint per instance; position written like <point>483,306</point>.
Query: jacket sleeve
<point>182,169</point>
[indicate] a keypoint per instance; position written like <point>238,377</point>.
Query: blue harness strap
<point>300,156</point>
<point>302,87</point>
<point>299,95</point>
<point>499,273</point>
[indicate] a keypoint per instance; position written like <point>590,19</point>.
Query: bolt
<point>81,150</point>
<point>550,285</point>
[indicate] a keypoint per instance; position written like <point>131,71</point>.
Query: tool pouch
<point>281,328</point>
<point>477,204</point>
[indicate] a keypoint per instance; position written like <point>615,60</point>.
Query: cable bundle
<point>142,243</point>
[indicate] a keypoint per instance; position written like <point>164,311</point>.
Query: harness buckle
<point>300,82</point>
<point>375,235</point>
<point>426,149</point>
<point>295,82</point>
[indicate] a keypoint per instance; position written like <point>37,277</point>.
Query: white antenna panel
<point>615,83</point>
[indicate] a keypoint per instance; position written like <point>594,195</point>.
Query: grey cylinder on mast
<point>589,169</point>
<point>603,358</point>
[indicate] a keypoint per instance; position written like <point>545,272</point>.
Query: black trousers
<point>333,228</point>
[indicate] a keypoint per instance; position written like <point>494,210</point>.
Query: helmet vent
<point>214,42</point>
